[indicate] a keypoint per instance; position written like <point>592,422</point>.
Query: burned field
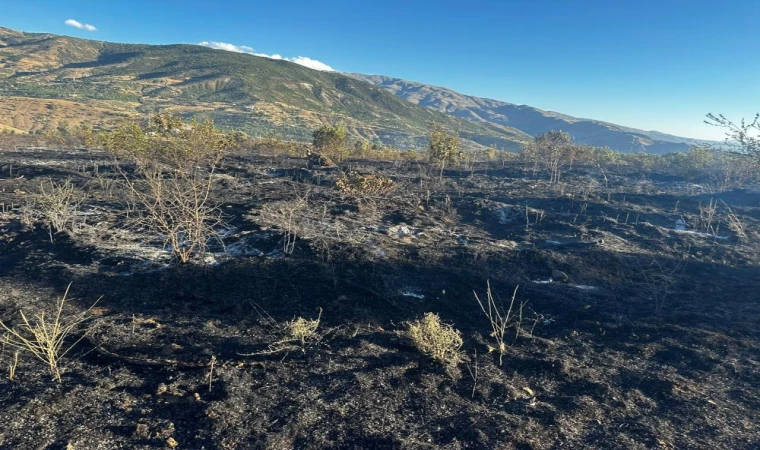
<point>636,320</point>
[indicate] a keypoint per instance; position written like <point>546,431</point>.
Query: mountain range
<point>46,79</point>
<point>531,120</point>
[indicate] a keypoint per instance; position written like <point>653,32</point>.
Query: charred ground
<point>598,364</point>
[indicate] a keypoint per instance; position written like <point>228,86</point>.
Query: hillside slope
<point>259,95</point>
<point>530,120</point>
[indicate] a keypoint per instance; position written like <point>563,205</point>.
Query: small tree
<point>84,135</point>
<point>745,135</point>
<point>743,138</point>
<point>552,151</point>
<point>175,164</point>
<point>443,147</point>
<point>331,140</point>
<point>362,147</point>
<point>165,123</point>
<point>64,128</point>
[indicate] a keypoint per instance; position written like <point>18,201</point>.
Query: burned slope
<point>649,342</point>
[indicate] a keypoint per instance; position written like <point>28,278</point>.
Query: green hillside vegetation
<point>255,94</point>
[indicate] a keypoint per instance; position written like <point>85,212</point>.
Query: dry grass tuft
<point>296,334</point>
<point>501,320</point>
<point>45,337</point>
<point>735,223</point>
<point>303,330</point>
<point>12,366</point>
<point>436,339</point>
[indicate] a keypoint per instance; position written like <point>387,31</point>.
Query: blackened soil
<point>653,341</point>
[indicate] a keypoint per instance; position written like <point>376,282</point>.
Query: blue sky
<point>648,64</point>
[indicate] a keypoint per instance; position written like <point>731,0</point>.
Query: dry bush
<point>318,160</point>
<point>292,217</point>
<point>364,186</point>
<point>657,280</point>
<point>107,182</point>
<point>56,205</point>
<point>179,208</point>
<point>501,320</point>
<point>303,331</point>
<point>170,190</point>
<point>707,214</point>
<point>44,337</point>
<point>305,219</point>
<point>440,341</point>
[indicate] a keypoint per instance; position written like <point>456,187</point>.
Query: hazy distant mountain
<point>530,120</point>
<point>45,78</point>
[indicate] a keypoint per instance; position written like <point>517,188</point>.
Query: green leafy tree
<point>165,123</point>
<point>237,138</point>
<point>128,140</point>
<point>605,156</point>
<point>699,161</point>
<point>331,140</point>
<point>168,142</point>
<point>647,161</point>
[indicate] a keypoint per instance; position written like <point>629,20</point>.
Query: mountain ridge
<point>41,71</point>
<point>46,79</point>
<point>531,120</point>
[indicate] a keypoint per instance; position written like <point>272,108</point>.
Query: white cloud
<point>302,60</point>
<point>228,47</point>
<point>264,55</point>
<point>80,25</point>
<point>311,63</point>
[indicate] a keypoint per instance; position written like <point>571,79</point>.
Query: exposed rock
<point>558,275</point>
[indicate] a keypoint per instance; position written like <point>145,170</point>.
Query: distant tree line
<point>552,153</point>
